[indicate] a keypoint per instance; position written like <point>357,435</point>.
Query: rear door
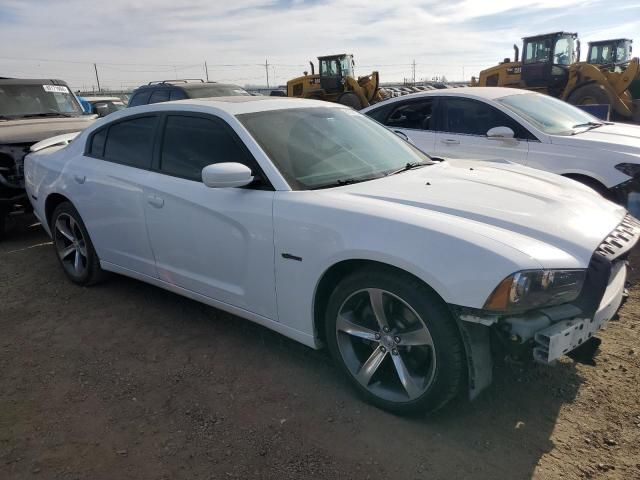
<point>413,119</point>
<point>463,124</point>
<point>217,242</point>
<point>107,184</point>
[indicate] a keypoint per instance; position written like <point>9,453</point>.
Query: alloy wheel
<point>70,245</point>
<point>385,345</point>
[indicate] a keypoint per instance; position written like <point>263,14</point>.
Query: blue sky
<point>134,41</point>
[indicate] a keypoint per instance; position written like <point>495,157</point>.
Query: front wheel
<point>73,246</point>
<point>395,340</point>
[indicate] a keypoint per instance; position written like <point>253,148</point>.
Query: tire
<point>592,94</point>
<point>3,224</point>
<point>73,246</point>
<point>350,99</point>
<point>420,341</point>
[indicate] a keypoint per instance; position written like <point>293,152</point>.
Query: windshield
<point>35,100</point>
<point>217,91</point>
<point>320,147</point>
<point>548,114</point>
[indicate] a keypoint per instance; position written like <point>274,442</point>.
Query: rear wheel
<point>73,246</point>
<point>395,340</point>
<point>350,99</point>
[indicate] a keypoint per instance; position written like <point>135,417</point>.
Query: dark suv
<point>166,90</point>
<point>30,111</point>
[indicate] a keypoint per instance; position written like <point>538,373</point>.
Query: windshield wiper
<point>47,114</point>
<point>346,181</point>
<point>409,166</point>
<point>589,125</point>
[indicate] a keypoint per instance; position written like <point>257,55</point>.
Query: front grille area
<point>621,239</point>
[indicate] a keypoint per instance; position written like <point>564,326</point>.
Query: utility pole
<point>414,71</point>
<point>266,67</point>
<point>206,70</point>
<point>95,67</point>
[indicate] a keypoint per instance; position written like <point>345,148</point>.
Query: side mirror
<point>500,133</point>
<point>226,175</point>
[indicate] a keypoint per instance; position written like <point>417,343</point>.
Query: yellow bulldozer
<point>550,64</point>
<point>336,82</point>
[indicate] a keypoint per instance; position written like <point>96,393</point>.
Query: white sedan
<point>315,221</point>
<point>524,127</point>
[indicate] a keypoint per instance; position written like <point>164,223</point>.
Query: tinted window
<point>140,98</point>
<point>470,117</point>
<point>414,114</point>
<point>177,94</point>
<point>192,143</point>
<point>131,142</point>
<point>160,95</point>
<point>97,143</point>
<point>380,114</point>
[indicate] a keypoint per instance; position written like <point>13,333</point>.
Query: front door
<point>463,124</point>
<point>217,242</point>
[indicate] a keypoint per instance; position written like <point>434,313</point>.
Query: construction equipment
<point>615,54</point>
<point>550,64</point>
<point>336,82</point>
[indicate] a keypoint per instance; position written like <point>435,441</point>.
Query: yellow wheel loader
<point>550,65</point>
<point>336,82</point>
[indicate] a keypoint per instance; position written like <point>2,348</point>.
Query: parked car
<point>524,127</point>
<point>166,90</point>
<point>30,110</point>
<point>103,106</point>
<point>315,221</point>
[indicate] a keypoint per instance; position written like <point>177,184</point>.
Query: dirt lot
<point>124,380</point>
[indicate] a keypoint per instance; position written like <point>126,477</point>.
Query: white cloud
<point>164,38</point>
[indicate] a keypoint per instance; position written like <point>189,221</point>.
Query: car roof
<point>490,93</point>
<point>188,85</point>
<point>31,81</point>
<point>103,99</point>
<point>237,105</point>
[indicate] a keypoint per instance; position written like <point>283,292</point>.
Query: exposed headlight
<point>531,289</point>
<point>631,169</point>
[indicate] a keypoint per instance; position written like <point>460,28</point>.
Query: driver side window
<point>191,143</point>
<point>471,117</point>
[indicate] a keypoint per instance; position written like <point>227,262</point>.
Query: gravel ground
<point>127,381</point>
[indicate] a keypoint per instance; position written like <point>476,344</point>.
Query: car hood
<point>523,208</point>
<point>617,137</point>
<point>31,130</point>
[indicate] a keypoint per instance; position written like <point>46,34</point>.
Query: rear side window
<point>140,98</point>
<point>380,114</point>
<point>130,142</point>
<point>96,147</point>
<point>416,115</point>
<point>192,143</point>
<point>160,95</point>
<point>471,117</point>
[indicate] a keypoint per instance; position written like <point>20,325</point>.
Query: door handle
<point>155,201</point>
<point>80,179</point>
<point>450,141</point>
<point>401,135</point>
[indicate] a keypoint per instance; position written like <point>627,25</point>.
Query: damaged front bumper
<point>546,334</point>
